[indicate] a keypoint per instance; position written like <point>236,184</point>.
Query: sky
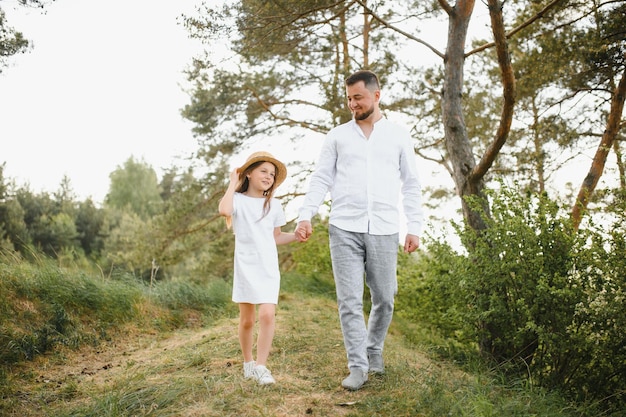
<point>103,82</point>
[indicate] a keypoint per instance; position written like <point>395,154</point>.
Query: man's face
<point>361,101</point>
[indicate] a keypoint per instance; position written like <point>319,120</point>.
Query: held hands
<point>411,243</point>
<point>304,230</point>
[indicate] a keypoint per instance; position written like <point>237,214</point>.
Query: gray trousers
<point>355,255</point>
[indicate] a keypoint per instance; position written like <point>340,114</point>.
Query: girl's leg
<point>267,320</point>
<point>246,330</point>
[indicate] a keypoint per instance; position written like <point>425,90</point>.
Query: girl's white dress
<point>257,277</point>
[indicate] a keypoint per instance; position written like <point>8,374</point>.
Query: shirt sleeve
<point>321,180</point>
<point>411,190</point>
<point>279,213</point>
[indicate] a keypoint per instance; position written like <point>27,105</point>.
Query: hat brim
<point>281,169</point>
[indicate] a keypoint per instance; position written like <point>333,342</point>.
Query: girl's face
<point>261,178</point>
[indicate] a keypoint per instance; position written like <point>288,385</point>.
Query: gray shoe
<point>377,365</point>
<point>357,378</point>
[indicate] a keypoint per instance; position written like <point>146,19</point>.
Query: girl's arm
<point>226,203</point>
<point>283,238</point>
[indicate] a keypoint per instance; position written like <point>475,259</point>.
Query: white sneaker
<point>263,375</point>
<point>248,369</point>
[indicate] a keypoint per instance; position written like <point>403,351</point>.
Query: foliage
<point>56,225</point>
<point>126,242</point>
<point>180,295</point>
<point>43,306</point>
<point>135,187</point>
<point>90,223</point>
<point>186,237</point>
<point>541,300</point>
<point>13,42</point>
<point>429,303</point>
<point>284,69</point>
<point>190,238</point>
<point>313,257</point>
<point>312,260</point>
<point>566,70</point>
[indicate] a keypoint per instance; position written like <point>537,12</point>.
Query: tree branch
<point>446,6</point>
<point>508,83</point>
<point>396,29</point>
<point>525,24</point>
<point>597,165</point>
<point>286,120</point>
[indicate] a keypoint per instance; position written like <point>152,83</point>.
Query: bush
<point>312,260</point>
<point>539,299</point>
<point>43,306</point>
<point>182,295</point>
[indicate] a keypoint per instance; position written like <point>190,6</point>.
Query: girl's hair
<point>244,183</point>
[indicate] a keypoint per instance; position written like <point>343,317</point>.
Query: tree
<point>287,78</point>
<point>13,231</point>
<point>90,222</point>
<point>290,57</point>
<point>13,42</point>
<point>280,48</point>
<point>135,187</point>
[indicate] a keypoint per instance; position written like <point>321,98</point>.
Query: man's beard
<point>364,115</point>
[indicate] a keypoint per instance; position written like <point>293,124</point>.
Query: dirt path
<point>197,372</point>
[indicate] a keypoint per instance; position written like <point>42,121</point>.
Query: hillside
<point>197,372</point>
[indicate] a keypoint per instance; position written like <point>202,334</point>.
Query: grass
<point>198,372</point>
<point>148,369</point>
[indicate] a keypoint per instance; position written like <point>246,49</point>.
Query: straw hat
<point>281,170</point>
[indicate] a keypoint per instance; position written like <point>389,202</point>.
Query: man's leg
<point>381,268</point>
<point>347,254</point>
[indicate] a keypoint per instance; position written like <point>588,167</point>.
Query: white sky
<point>104,82</point>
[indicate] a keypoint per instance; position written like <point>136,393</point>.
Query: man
<point>365,164</point>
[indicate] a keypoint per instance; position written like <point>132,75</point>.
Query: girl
<point>256,217</point>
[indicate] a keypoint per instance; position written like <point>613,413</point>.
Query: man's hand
<point>304,231</point>
<point>411,243</point>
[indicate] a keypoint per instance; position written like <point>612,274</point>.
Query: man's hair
<point>368,77</point>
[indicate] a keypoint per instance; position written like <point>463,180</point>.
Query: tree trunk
<point>597,165</point>
<point>366,38</point>
<point>469,176</point>
<point>457,143</point>
<point>620,163</point>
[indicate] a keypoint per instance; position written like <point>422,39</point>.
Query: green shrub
<point>44,306</point>
<point>313,256</point>
<point>539,299</point>
<point>179,295</point>
<point>312,260</point>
